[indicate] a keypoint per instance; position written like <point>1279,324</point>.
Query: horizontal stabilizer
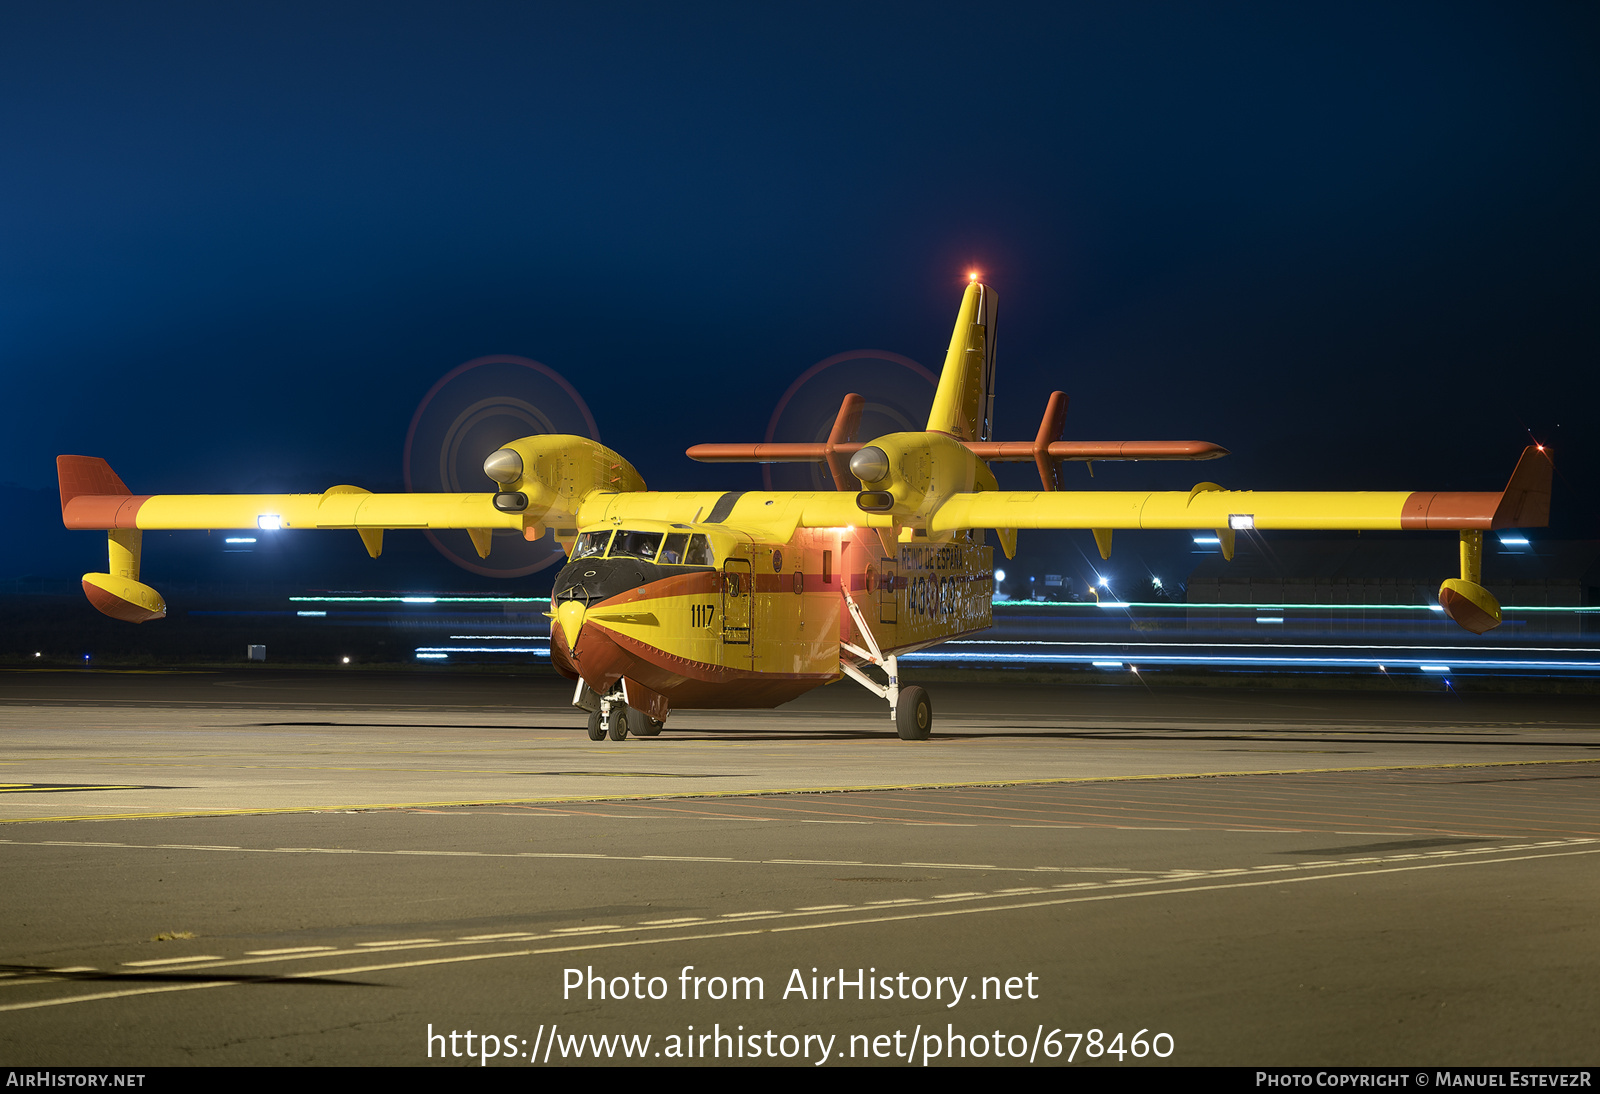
<point>1023,451</point>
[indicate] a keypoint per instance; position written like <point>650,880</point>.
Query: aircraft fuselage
<point>749,622</point>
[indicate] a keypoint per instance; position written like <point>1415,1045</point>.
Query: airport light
<point>269,522</point>
<point>1241,522</point>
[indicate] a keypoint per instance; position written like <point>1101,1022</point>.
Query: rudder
<point>963,405</point>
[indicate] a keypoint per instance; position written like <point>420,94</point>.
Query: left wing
<point>1524,503</point>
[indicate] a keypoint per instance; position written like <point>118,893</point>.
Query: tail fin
<point>963,406</point>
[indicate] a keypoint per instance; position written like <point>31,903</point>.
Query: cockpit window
<point>672,553</point>
<point>636,545</point>
<point>699,552</point>
<point>590,544</point>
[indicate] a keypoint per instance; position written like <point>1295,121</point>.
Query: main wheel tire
<point>641,724</point>
<point>597,732</point>
<point>913,714</point>
<point>618,730</point>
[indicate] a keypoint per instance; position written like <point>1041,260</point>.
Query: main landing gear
<point>610,716</point>
<point>909,707</point>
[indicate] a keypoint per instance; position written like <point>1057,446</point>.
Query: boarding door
<point>738,603</point>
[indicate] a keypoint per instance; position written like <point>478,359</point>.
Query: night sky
<point>1356,244</point>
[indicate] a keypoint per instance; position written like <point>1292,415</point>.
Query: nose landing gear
<point>611,717</point>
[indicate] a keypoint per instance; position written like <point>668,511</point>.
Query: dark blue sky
<point>1356,244</point>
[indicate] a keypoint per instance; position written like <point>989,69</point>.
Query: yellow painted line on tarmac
<point>775,791</point>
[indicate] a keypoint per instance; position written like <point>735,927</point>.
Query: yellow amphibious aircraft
<point>748,599</point>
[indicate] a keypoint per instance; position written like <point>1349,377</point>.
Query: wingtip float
<point>746,599</point>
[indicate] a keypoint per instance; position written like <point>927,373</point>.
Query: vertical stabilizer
<point>964,404</point>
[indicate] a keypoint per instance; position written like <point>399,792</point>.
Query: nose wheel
<point>611,717</point>
<point>617,718</point>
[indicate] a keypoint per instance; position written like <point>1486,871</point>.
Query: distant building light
<point>269,522</point>
<point>1107,664</point>
<point>1434,668</point>
<point>1156,581</point>
<point>1513,540</point>
<point>311,615</point>
<point>1207,539</point>
<point>1052,579</point>
<point>240,539</point>
<point>1269,619</point>
<point>433,656</point>
<point>999,575</point>
<point>419,600</point>
<point>1241,522</point>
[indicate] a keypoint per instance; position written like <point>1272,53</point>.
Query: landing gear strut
<point>611,716</point>
<point>909,707</point>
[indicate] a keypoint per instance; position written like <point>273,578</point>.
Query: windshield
<point>679,548</point>
<point>590,544</point>
<point>636,545</point>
